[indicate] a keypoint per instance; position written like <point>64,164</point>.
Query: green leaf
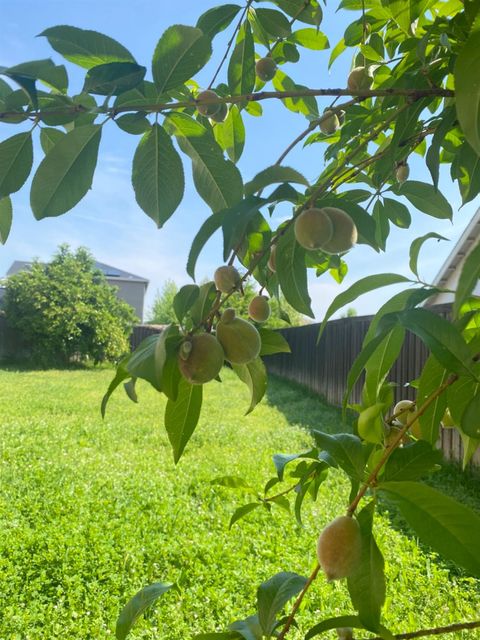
<point>412,462</point>
<point>346,450</point>
<point>44,70</point>
<point>274,594</point>
<point>337,50</point>
<point>417,245</point>
<point>49,138</point>
<point>157,175</point>
<point>470,424</point>
<point>310,38</point>
<point>443,523</point>
<point>280,460</point>
<point>334,623</point>
<point>433,376</point>
<point>274,22</point>
<point>237,220</point>
<point>230,134</point>
<point>292,272</point>
<point>180,53</point>
<point>65,175</point>
<point>217,180</point>
<point>274,175</point>
<point>369,283</point>
<point>366,584</point>
<point>134,123</point>
<point>272,342</point>
<point>206,231</point>
<point>185,299</point>
<point>112,78</point>
<point>397,213</point>
<point>442,338</point>
<point>84,47</point>
<point>16,159</point>
<point>432,158</point>
<point>181,416</point>
<point>468,280</point>
<point>459,396</point>
<point>233,482</point>
<point>204,303</point>
<point>147,360</point>
<point>217,19</point>
<point>466,169</point>
<point>311,14</point>
<point>220,635</point>
<point>121,374</point>
<point>137,605</point>
<point>5,218</point>
<point>243,511</point>
<point>254,375</point>
<point>241,68</point>
<point>307,105</point>
<point>426,198</point>
<point>380,363</point>
<point>467,89</point>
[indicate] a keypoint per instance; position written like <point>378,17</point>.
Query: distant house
<point>447,277</point>
<point>130,287</point>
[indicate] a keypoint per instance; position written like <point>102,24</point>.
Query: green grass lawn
<point>93,510</point>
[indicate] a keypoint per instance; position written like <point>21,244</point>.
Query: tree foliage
<point>65,310</point>
<point>413,89</point>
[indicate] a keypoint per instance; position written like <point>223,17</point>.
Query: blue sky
<point>109,222</point>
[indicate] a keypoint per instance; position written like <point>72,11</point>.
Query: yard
<point>93,510</point>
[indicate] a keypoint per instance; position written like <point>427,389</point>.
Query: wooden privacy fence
<point>324,368</point>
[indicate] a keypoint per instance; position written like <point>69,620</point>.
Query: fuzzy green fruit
<point>404,409</point>
<point>259,309</point>
<point>226,278</point>
<point>344,235</point>
<point>339,548</point>
<point>265,68</point>
<point>221,113</point>
<point>200,358</point>
<point>359,80</point>
<point>313,228</point>
<point>331,124</point>
<point>402,172</point>
<point>240,340</point>
<point>206,97</point>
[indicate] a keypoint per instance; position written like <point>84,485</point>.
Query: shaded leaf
<point>443,523</point>
<point>468,280</point>
<point>274,594</point>
<point>206,231</point>
<point>204,303</point>
<point>5,218</point>
<point>217,19</point>
<point>230,134</point>
<point>467,91</point>
<point>241,68</point>
<point>426,198</point>
<point>65,175</point>
<point>16,159</point>
<point>181,416</point>
<point>121,374</point>
<point>185,299</point>
<point>411,461</point>
<point>273,175</point>
<point>346,450</point>
<point>254,375</point>
<point>49,138</point>
<point>241,512</point>
<point>417,245</point>
<point>272,342</point>
<point>292,272</point>
<point>157,175</point>
<point>334,623</point>
<point>112,78</point>
<point>433,376</point>
<point>397,213</point>
<point>137,605</point>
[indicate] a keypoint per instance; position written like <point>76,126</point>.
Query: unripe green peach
<point>345,633</point>
<point>259,309</point>
<point>200,358</point>
<point>403,410</point>
<point>344,235</point>
<point>272,262</point>
<point>239,338</point>
<point>226,278</point>
<point>359,80</point>
<point>221,113</point>
<point>402,172</point>
<point>339,548</point>
<point>313,228</point>
<point>208,107</point>
<point>331,124</point>
<point>265,68</point>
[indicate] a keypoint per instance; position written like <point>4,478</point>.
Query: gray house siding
<point>132,292</point>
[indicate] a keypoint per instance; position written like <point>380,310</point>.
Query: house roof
<point>467,241</point>
<point>112,273</point>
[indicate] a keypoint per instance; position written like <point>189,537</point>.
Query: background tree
<point>162,307</point>
<point>65,309</point>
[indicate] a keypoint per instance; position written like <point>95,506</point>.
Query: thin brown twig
<point>258,96</point>
<point>230,42</point>
<point>451,628</point>
<point>297,603</point>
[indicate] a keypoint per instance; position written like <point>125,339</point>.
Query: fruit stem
<point>297,603</point>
